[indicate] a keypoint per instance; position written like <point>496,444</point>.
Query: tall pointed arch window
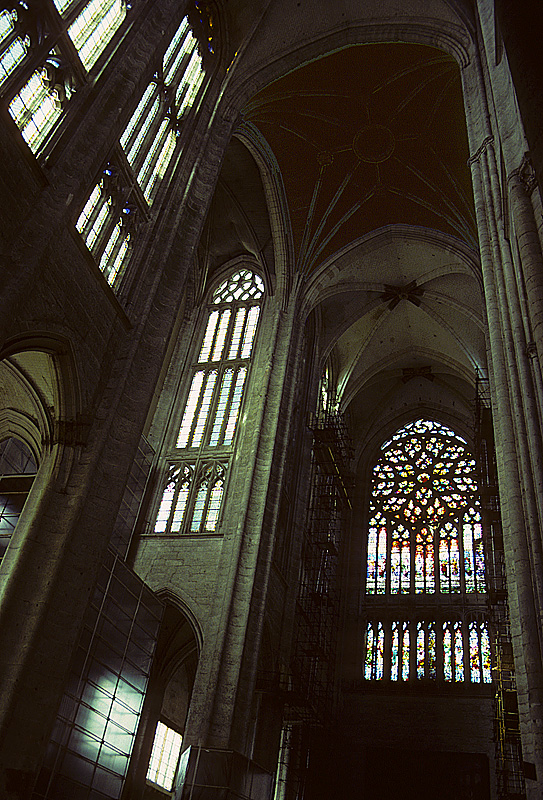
<point>425,544</point>
<point>46,51</point>
<point>192,498</point>
<point>129,183</point>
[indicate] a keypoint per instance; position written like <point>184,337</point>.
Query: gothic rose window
<point>425,532</point>
<point>425,541</point>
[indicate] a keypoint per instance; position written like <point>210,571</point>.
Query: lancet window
<point>130,182</point>
<point>195,484</point>
<point>425,545</point>
<point>404,650</point>
<point>46,51</point>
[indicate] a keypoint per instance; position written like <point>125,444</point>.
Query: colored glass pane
<point>208,337</point>
<point>221,336</point>
<point>234,407</point>
<point>222,405</point>
<point>160,166</point>
<point>448,664</point>
<point>458,652</point>
<point>165,506</point>
<point>425,481</point>
<point>205,402</point>
<point>214,506</point>
<point>421,651</point>
<point>190,409</point>
<point>375,642</point>
<point>239,324</point>
<point>250,330</point>
<point>12,55</point>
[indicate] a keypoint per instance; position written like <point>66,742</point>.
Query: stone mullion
<point>84,151</point>
<point>521,597</point>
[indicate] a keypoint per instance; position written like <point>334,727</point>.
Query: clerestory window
<point>130,182</point>
<point>46,51</point>
<point>424,549</point>
<point>192,498</point>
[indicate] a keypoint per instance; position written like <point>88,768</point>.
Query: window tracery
<point>129,184</point>
<point>425,541</point>
<point>46,52</point>
<point>192,498</point>
<point>425,532</point>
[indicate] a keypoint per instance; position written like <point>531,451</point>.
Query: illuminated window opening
<point>425,513</point>
<point>425,538</point>
<point>192,498</point>
<point>37,97</point>
<point>164,756</point>
<point>94,28</point>
<point>453,652</point>
<point>150,140</point>
<point>106,224</point>
<point>36,109</point>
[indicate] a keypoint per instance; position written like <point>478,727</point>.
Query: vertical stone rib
<point>522,603</point>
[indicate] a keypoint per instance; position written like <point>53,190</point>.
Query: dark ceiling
<point>369,136</point>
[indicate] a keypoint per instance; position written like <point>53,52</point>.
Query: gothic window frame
<point>145,155</point>
<point>448,631</point>
<point>44,63</point>
<point>206,425</point>
<point>454,649</point>
<point>397,547</point>
<point>165,755</point>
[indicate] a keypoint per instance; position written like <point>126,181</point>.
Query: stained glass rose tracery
<point>425,533</point>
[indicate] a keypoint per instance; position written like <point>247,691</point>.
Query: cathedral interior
<point>271,400</point>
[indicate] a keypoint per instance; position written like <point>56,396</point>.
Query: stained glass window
<point>453,651</point>
<point>425,532</point>
<point>146,147</point>
<point>400,653</point>
<point>425,545</point>
<point>192,498</point>
<point>107,224</point>
<point>375,648</point>
<point>37,88</point>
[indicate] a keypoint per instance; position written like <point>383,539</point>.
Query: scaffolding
<point>508,752</point>
<point>309,694</point>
